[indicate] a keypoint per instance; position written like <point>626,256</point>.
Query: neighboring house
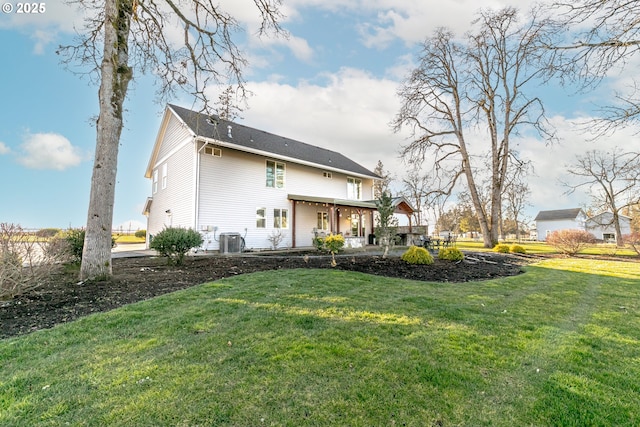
<point>603,228</point>
<point>549,221</point>
<point>221,177</point>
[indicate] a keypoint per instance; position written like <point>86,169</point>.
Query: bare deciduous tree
<point>516,193</point>
<point>122,37</point>
<point>612,178</point>
<point>481,84</point>
<point>596,37</point>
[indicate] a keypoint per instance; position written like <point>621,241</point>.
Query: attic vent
<point>229,131</point>
<point>327,175</point>
<point>213,151</point>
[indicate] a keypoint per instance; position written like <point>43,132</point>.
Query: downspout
<point>196,208</point>
<point>293,224</point>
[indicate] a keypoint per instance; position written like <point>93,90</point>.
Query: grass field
<point>557,346</point>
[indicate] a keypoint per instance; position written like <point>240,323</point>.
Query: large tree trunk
<point>475,198</point>
<point>115,77</point>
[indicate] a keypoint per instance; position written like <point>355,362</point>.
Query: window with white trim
<point>354,188</point>
<point>323,221</point>
<point>155,181</point>
<point>275,174</point>
<point>280,218</point>
<point>261,217</point>
<point>164,176</point>
<point>212,151</point>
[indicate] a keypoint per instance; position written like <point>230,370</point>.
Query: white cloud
<point>48,151</point>
<point>551,162</point>
<point>349,113</point>
<point>3,148</point>
<point>58,17</point>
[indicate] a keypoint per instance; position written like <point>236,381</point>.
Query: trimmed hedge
<point>450,254</point>
<point>417,255</point>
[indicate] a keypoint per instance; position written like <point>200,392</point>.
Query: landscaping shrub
<point>47,232</point>
<point>24,261</point>
<point>417,255</point>
<point>517,249</point>
<point>68,245</point>
<point>503,249</point>
<point>450,254</point>
<point>75,241</point>
<point>333,243</point>
<point>633,240</point>
<point>570,242</point>
<point>140,234</point>
<point>175,242</point>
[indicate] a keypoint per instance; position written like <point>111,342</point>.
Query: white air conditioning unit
<point>230,243</point>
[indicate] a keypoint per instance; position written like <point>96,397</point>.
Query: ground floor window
<point>280,218</point>
<point>608,236</point>
<point>323,221</point>
<point>261,218</point>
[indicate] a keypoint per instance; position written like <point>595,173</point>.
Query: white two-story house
<point>220,177</point>
<point>562,219</point>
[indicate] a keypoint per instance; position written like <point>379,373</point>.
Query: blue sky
<point>332,84</point>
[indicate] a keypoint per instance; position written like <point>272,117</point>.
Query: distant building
<point>563,219</point>
<point>603,228</point>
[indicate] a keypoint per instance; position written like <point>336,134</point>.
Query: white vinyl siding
<point>178,198</point>
<point>174,137</point>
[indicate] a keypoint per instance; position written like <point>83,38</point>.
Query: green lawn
<point>557,346</point>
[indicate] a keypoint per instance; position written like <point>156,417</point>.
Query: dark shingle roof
<point>558,215</point>
<point>250,139</point>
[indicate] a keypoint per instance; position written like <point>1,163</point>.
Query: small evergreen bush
<point>417,255</point>
<point>175,242</point>
<point>503,249</point>
<point>450,254</point>
<point>74,238</point>
<point>140,234</point>
<point>517,249</point>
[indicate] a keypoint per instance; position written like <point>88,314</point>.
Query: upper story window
<point>155,181</point>
<point>354,188</point>
<point>164,176</point>
<point>275,174</point>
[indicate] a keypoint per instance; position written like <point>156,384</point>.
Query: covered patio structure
<point>319,216</point>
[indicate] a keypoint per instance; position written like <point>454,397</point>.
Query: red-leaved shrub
<point>570,242</point>
<point>633,240</point>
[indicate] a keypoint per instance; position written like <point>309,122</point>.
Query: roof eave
<point>281,157</point>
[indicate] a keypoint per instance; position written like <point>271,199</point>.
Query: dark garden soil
<point>63,298</point>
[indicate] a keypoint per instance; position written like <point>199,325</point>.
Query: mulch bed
<point>63,298</point>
